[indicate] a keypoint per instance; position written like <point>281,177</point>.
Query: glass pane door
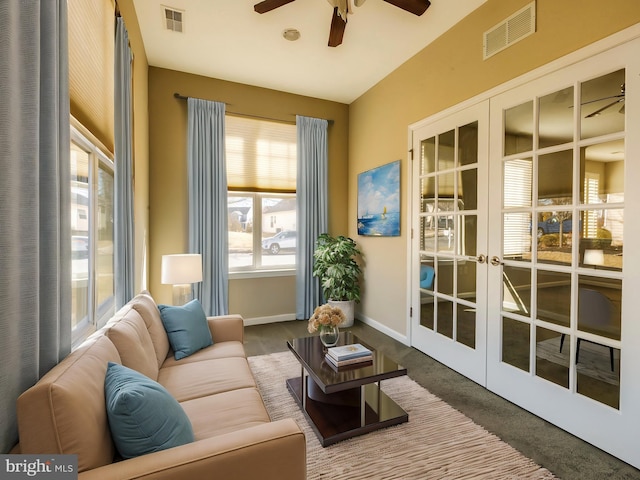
<point>449,261</point>
<point>540,320</point>
<point>560,169</point>
<point>562,236</point>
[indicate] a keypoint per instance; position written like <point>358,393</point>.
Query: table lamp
<point>181,270</point>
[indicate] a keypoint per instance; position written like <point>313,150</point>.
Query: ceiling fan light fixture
<point>291,34</point>
<point>341,9</point>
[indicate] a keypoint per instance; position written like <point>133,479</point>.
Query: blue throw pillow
<point>186,328</point>
<point>143,416</point>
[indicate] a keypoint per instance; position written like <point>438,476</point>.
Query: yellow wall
<point>256,297</point>
<point>447,72</point>
<point>614,175</point>
<point>140,143</point>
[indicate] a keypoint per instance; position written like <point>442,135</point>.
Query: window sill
<point>262,274</point>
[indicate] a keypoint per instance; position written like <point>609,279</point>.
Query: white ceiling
<point>226,39</point>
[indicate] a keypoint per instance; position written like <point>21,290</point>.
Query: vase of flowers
<point>325,321</point>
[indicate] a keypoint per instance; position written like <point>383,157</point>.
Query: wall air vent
<point>518,26</point>
<point>173,19</point>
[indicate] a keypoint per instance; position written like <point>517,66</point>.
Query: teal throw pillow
<point>143,416</point>
<point>186,328</point>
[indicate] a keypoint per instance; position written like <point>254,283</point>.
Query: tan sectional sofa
<point>65,412</point>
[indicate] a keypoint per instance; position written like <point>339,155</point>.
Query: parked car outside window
<point>552,225</point>
<point>285,240</point>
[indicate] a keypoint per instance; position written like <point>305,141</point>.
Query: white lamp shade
<point>593,257</point>
<point>181,268</point>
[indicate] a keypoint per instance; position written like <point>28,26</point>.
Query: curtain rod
<point>182,97</point>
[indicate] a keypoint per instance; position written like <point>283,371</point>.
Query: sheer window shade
<point>261,155</point>
<point>91,57</point>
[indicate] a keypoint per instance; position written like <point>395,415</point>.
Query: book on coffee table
<point>354,352</point>
<point>355,362</point>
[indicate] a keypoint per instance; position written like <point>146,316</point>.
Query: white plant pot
<point>347,307</point>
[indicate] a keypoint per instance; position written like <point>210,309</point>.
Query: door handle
<point>480,258</point>
<point>495,261</point>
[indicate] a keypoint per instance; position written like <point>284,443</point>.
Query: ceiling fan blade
<point>620,96</point>
<point>337,29</point>
<point>600,110</point>
<point>417,7</point>
<point>268,5</point>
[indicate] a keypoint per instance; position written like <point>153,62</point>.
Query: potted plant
<point>339,273</point>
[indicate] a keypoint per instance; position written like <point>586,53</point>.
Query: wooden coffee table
<point>345,402</point>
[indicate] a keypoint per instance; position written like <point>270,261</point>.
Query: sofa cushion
<point>143,416</point>
<point>146,306</point>
<point>186,328</point>
<point>208,377</point>
<point>225,412</point>
<point>132,339</point>
<point>65,413</point>
<point>215,351</point>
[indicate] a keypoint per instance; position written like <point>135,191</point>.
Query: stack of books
<point>344,355</point>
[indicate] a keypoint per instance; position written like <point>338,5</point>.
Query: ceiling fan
<point>343,7</point>
<point>617,99</point>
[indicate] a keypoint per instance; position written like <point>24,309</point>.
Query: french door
<point>561,341</point>
<point>450,240</point>
<point>523,283</point>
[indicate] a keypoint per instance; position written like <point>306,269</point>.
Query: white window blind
<point>517,183</point>
<point>591,193</point>
<point>517,194</point>
<point>261,155</point>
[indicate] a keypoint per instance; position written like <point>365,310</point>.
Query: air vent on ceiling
<point>518,26</point>
<point>173,19</point>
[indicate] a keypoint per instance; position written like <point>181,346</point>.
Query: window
<point>518,178</point>
<point>261,177</point>
<point>92,189</point>
<point>591,193</point>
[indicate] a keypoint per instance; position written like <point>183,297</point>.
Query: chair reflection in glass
<point>595,314</point>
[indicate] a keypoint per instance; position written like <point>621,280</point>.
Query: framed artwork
<point>379,201</point>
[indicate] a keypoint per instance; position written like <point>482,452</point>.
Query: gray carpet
<point>438,442</point>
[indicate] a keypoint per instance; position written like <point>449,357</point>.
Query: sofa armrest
<point>271,451</point>
<point>225,328</point>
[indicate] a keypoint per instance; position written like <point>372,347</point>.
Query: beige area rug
<point>438,442</point>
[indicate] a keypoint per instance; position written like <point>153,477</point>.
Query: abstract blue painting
<point>379,201</point>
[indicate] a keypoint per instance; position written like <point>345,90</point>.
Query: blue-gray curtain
<point>207,174</point>
<point>124,260</point>
<point>35,218</point>
<point>312,210</point>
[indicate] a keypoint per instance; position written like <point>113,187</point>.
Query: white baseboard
<point>384,329</point>
<point>285,317</point>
